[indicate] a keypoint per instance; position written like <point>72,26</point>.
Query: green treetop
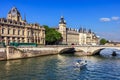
<point>52,36</point>
<point>103,41</point>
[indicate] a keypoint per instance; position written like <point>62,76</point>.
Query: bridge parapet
<point>87,49</point>
<point>94,49</point>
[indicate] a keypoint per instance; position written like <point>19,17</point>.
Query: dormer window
<point>14,14</point>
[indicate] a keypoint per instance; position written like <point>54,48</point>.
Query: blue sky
<point>102,16</point>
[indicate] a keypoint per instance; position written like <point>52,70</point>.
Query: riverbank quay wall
<point>9,52</point>
<point>3,54</point>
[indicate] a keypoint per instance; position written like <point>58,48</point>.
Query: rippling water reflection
<point>60,67</point>
<point>108,53</point>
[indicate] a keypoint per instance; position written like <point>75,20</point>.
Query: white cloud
<point>105,19</point>
<point>115,18</point>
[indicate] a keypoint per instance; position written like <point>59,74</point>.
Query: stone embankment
<point>2,53</point>
<point>16,53</point>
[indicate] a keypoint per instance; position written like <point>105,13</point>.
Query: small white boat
<point>80,64</point>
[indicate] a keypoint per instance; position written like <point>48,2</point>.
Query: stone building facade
<point>74,36</point>
<point>14,29</point>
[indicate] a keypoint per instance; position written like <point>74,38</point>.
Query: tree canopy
<point>103,41</point>
<point>51,35</point>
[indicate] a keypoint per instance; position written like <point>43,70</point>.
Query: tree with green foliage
<point>51,35</point>
<point>103,41</point>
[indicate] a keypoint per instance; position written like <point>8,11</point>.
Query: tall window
<point>13,31</point>
<point>18,32</point>
<point>22,39</point>
<point>13,39</point>
<point>8,31</point>
<point>28,40</point>
<point>22,32</point>
<point>18,18</point>
<point>3,30</point>
<point>28,33</point>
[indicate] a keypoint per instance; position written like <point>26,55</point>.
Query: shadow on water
<point>110,53</point>
<point>67,51</point>
<point>68,54</point>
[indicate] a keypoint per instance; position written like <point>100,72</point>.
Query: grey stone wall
<point>2,54</point>
<point>16,53</point>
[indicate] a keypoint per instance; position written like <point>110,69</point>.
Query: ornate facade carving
<point>14,29</point>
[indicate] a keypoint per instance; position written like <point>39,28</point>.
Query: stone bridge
<point>91,50</point>
<point>15,52</point>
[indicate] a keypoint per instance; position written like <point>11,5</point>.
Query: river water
<point>61,67</point>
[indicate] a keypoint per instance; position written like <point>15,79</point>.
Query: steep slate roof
<point>14,9</point>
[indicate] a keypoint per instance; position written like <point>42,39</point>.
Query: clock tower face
<point>14,12</point>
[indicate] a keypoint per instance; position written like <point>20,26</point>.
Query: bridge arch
<point>67,50</point>
<point>89,50</point>
<point>97,51</point>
